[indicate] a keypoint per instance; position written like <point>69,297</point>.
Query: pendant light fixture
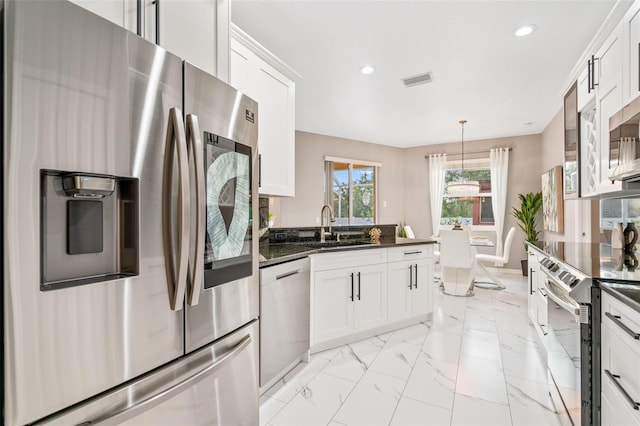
<point>463,188</point>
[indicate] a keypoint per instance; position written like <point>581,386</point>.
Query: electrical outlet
<point>384,203</point>
<point>317,220</point>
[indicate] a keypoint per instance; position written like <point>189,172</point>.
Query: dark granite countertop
<point>615,271</point>
<point>274,254</point>
<point>627,293</point>
<point>599,261</point>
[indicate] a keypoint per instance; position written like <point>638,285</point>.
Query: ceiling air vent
<point>418,79</point>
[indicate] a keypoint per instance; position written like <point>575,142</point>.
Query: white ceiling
<point>481,71</point>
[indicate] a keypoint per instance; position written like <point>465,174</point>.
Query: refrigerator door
<point>209,387</point>
<point>217,306</point>
<point>82,95</point>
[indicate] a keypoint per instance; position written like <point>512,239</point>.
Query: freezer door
<point>82,95</point>
<point>214,310</point>
<point>210,387</point>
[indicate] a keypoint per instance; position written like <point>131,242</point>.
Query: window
<point>352,190</point>
<point>468,210</point>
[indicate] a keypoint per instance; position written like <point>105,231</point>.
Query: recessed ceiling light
<point>367,69</point>
<point>524,30</point>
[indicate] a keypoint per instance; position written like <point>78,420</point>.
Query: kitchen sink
<point>336,244</point>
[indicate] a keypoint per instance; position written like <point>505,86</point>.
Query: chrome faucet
<point>331,219</point>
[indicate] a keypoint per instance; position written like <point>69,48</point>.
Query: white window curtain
<point>437,171</point>
<point>499,163</point>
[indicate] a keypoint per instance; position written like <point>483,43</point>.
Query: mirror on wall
<point>571,144</point>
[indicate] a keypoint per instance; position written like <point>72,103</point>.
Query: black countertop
<point>274,254</point>
<point>598,261</point>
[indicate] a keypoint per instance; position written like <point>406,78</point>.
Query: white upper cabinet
<point>585,93</point>
<point>608,79</point>
<point>263,77</point>
<point>120,12</point>
<point>631,65</point>
<point>195,30</point>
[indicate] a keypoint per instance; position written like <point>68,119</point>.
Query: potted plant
<point>530,204</point>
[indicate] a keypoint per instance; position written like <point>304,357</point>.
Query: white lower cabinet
<point>349,300</point>
<point>537,301</point>
<point>620,352</point>
<point>358,292</point>
<point>409,289</point>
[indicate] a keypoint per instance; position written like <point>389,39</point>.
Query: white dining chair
<point>409,232</point>
<point>456,263</point>
<point>483,259</point>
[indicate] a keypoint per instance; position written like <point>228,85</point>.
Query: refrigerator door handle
<point>157,399</point>
<point>196,264</point>
<point>177,265</point>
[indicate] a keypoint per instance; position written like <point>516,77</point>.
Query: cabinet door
<point>370,306</point>
<point>276,140</point>
<point>332,303</point>
<point>532,285</point>
<point>399,301</point>
<point>421,300</point>
<point>241,69</point>
<point>584,94</point>
<point>120,12</point>
<point>632,53</point>
<point>589,150</point>
<point>275,94</point>
<point>609,103</point>
<point>188,29</point>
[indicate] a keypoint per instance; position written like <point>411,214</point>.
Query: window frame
<point>475,163</point>
<point>328,184</point>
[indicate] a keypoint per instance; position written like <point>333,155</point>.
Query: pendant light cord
<point>462,122</point>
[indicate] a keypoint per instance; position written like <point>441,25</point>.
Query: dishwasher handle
<point>287,274</point>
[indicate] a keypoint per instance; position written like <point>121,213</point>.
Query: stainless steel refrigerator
<point>130,290</point>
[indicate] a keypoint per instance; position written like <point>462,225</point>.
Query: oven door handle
<point>551,293</point>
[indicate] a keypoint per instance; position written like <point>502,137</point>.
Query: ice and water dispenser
<point>89,228</point>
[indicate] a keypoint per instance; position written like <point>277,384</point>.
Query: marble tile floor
<point>478,362</point>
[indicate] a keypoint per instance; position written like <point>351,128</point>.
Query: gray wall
<point>578,214</point>
<point>524,176</point>
<point>403,180</point>
<point>311,148</point>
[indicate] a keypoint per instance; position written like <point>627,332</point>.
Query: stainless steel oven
<point>573,354</point>
<point>564,348</point>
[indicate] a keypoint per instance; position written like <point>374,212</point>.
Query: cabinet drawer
<point>626,321</point>
<point>397,254</point>
<point>348,259</point>
<point>621,360</point>
<point>273,273</point>
<point>615,413</point>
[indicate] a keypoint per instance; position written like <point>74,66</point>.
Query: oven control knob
<point>574,282</point>
<point>568,278</point>
<point>563,275</point>
<point>554,267</point>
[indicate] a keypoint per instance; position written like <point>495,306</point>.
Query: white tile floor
<point>478,362</point>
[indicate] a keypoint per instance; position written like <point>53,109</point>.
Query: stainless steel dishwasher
<point>284,318</point>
